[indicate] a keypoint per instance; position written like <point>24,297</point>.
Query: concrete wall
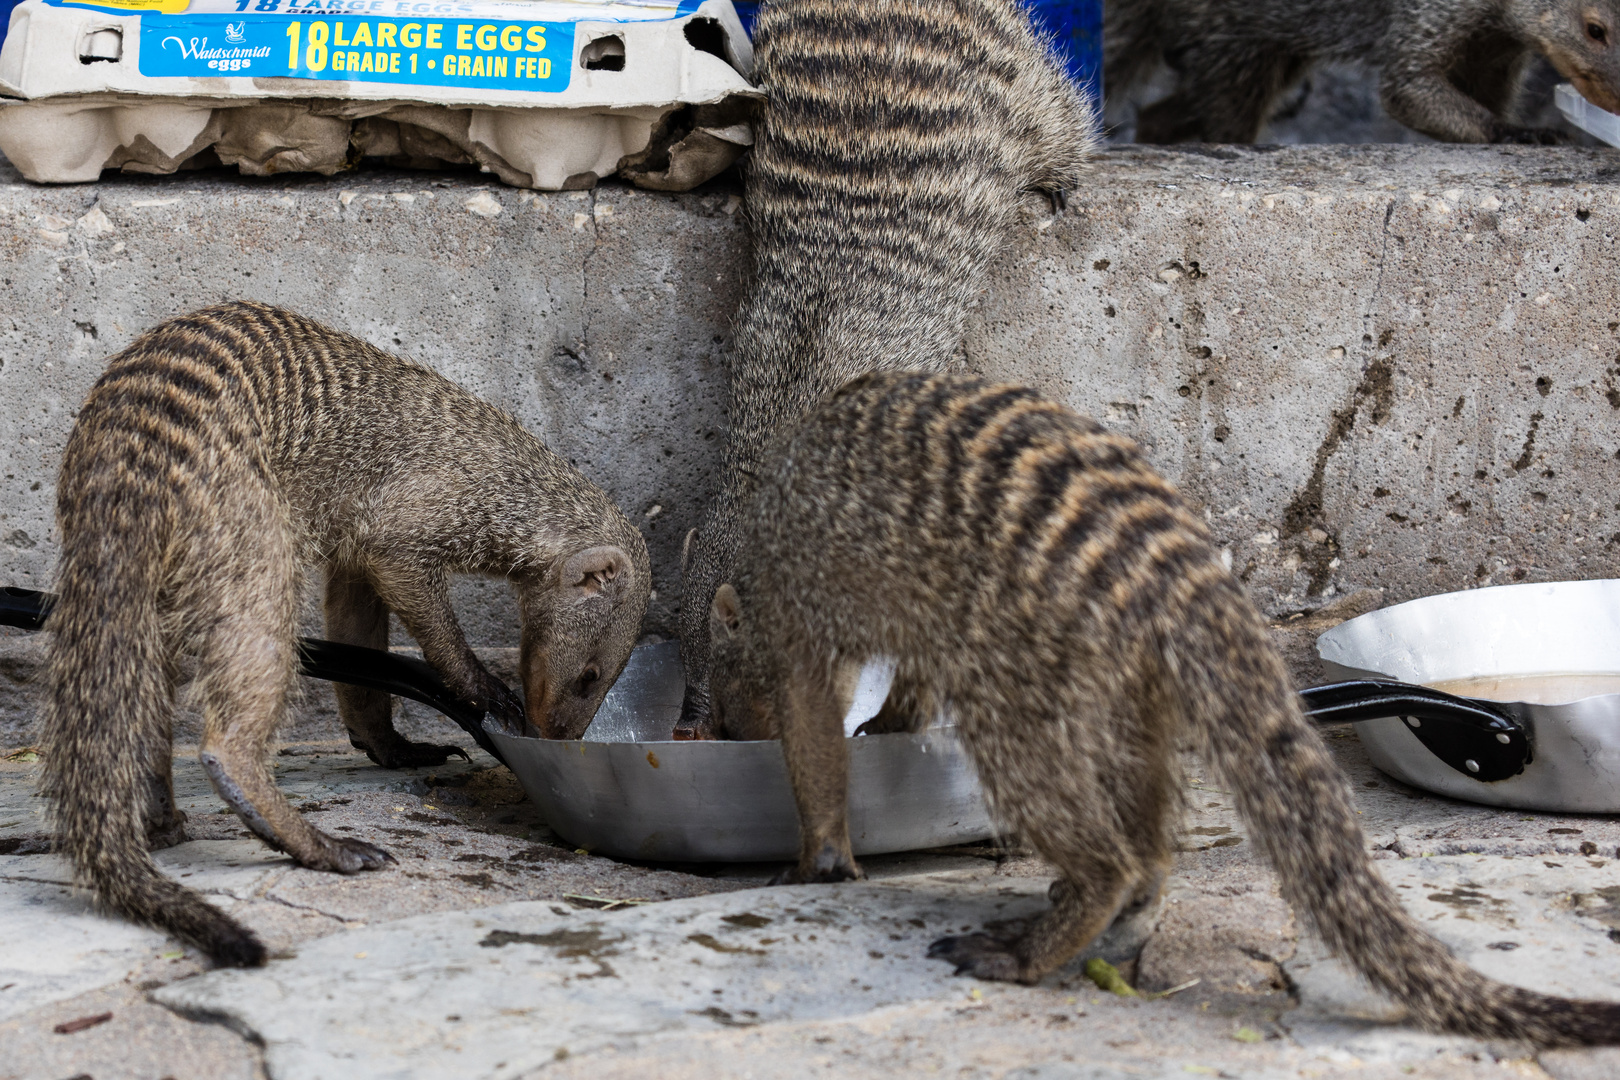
<point>1384,366</point>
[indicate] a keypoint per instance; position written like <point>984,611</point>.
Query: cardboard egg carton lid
<point>525,53</point>
<point>543,93</point>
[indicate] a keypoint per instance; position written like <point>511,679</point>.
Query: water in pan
<point>1553,688</point>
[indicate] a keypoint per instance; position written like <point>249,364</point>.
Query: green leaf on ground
<point>1107,977</point>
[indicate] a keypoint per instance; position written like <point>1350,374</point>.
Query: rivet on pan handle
<point>1477,738</point>
<point>371,669</point>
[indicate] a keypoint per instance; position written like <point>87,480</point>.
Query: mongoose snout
<point>577,637</point>
<point>1029,570</point>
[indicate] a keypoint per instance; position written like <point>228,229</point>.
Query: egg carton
<point>547,94</point>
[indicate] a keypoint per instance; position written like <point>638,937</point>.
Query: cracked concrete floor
<point>1531,898</point>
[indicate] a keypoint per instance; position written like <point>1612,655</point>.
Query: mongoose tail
<point>1235,694</point>
<point>107,752</point>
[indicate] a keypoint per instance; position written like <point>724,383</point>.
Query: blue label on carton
<point>479,44</point>
<point>484,54</point>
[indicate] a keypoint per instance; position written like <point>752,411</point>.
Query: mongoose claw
<point>982,956</point>
<point>413,755</point>
<point>1059,199</point>
<point>347,856</point>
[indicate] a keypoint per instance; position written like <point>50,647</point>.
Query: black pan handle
<point>1477,738</point>
<point>371,669</point>
<point>23,608</point>
<point>403,676</point>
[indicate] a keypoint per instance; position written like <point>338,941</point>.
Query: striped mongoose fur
<point>1038,577</point>
<point>895,142</point>
<point>1448,68</point>
<point>217,457</point>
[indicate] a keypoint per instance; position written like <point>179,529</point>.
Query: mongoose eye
<point>1597,32</point>
<point>587,679</point>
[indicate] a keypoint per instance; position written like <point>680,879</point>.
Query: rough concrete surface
<point>494,951</point>
<point>1385,366</point>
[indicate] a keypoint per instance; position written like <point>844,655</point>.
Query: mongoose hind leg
<point>1098,809</point>
<point>246,669</point>
<point>356,615</point>
<point>818,765</point>
<point>1083,906</point>
<point>165,822</point>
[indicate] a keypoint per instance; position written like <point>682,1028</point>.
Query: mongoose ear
<point>686,548</point>
<point>725,614</point>
<point>595,569</point>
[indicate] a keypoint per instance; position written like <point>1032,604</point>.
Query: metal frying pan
<point>627,790</point>
<point>1569,742</point>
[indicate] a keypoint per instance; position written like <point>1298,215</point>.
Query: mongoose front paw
<point>830,866</point>
<point>979,955</point>
<point>405,754</point>
<point>347,856</point>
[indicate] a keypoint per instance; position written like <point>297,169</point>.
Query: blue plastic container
<point>5,17</point>
<point>1076,25</point>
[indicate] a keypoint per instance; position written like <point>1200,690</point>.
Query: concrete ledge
<point>1376,366</point>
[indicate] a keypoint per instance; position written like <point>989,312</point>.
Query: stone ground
<point>495,949</point>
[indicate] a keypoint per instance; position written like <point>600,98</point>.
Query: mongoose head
<point>739,672</point>
<point>581,618</point>
<point>1582,40</point>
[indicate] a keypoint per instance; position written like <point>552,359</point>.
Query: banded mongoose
<point>895,141</point>
<point>1448,68</point>
<point>217,457</point>
<point>1034,573</point>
